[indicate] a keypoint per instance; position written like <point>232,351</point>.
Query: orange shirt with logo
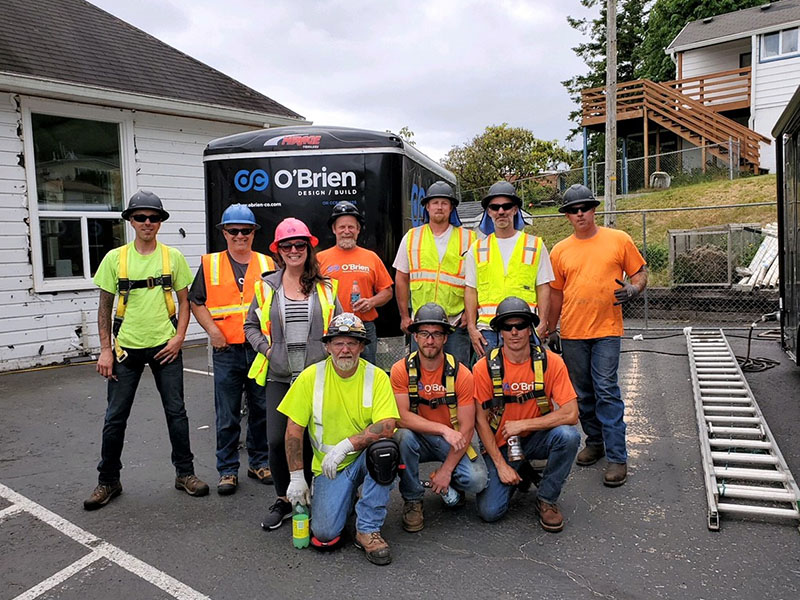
<point>518,378</point>
<point>430,388</point>
<point>357,264</point>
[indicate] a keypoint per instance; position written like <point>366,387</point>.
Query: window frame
<point>780,55</point>
<point>124,120</point>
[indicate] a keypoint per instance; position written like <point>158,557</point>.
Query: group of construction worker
<point>483,392</point>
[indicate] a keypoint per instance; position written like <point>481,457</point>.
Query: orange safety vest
<point>227,305</point>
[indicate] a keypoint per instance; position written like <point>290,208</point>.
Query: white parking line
<point>100,549</point>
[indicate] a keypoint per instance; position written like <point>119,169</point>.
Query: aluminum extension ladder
<point>745,473</point>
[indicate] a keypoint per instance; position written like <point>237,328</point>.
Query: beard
<point>345,364</point>
<point>346,243</point>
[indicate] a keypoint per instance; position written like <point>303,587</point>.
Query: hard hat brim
<point>416,325</point>
<point>222,224</point>
<point>126,214</point>
<point>489,197</point>
<point>361,337</point>
<point>593,201</point>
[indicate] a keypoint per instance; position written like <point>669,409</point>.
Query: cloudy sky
<point>443,68</point>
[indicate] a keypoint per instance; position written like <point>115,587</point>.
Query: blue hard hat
<point>238,214</point>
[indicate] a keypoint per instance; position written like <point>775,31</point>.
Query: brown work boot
<point>616,474</point>
<point>413,519</point>
<point>227,485</point>
<point>590,455</point>
<point>263,474</point>
<point>375,546</point>
<point>102,495</point>
<point>191,485</point>
<point>550,516</point>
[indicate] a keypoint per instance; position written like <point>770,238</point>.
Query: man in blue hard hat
<point>220,296</point>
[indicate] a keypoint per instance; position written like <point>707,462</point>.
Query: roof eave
<point>76,92</point>
<point>732,37</point>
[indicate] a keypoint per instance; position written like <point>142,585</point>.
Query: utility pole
<point>611,114</point>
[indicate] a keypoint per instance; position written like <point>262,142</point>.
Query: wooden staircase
<point>694,119</point>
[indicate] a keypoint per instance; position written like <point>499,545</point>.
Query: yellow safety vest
<point>264,294</point>
<point>434,281</point>
<point>495,284</point>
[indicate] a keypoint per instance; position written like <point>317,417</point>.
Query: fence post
<point>644,255</point>
<point>594,179</point>
<point>730,158</point>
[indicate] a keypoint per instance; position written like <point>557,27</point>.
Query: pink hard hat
<point>291,228</point>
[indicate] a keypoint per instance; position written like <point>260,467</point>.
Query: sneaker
<point>550,516</point>
<point>616,474</point>
<point>413,519</point>
<point>191,485</point>
<point>375,546</point>
<point>278,513</point>
<point>102,495</point>
<point>590,455</point>
<point>227,485</point>
<point>263,474</point>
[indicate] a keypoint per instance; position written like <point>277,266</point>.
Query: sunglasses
<point>507,206</point>
<point>574,210</point>
<point>288,246</point>
<point>437,335</point>
<point>510,326</point>
<point>143,218</point>
<point>234,231</point>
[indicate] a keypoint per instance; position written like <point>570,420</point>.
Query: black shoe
<point>278,513</point>
<point>102,495</point>
<point>529,476</point>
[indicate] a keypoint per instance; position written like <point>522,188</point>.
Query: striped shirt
<point>296,333</point>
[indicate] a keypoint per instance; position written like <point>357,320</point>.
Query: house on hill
<point>92,109</point>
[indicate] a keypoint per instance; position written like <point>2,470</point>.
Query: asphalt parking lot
<point>646,539</point>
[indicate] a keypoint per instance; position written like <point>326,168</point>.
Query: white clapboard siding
<point>776,81</point>
<point>713,59</point>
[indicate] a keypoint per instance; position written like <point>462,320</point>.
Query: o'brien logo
<point>245,180</point>
<point>309,182</point>
<point>300,141</point>
<point>354,267</point>
<point>517,388</point>
<point>433,388</point>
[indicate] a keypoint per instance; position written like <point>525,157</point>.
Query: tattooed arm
<point>105,361</point>
<point>294,445</point>
<point>376,431</point>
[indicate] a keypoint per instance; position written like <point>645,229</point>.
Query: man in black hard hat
<point>517,389</point>
<point>587,293</point>
<point>346,404</point>
<point>508,262</point>
<point>434,394</point>
<point>146,330</point>
<point>364,281</point>
<point>430,266</point>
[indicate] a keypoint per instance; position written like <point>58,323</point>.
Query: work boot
<point>616,474</point>
<point>375,546</point>
<point>263,474</point>
<point>550,516</point>
<point>590,455</point>
<point>413,519</point>
<point>191,485</point>
<point>227,484</point>
<point>102,495</point>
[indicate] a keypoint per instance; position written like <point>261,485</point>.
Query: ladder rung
<point>731,399</point>
<point>754,492</point>
<point>717,377</point>
<point>744,509</point>
<point>751,431</point>
<point>728,443</point>
<point>736,387</point>
<point>749,474</point>
<point>731,409</point>
<point>729,419</point>
<point>744,458</point>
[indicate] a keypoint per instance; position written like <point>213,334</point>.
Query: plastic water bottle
<point>450,496</point>
<point>355,293</point>
<point>300,530</point>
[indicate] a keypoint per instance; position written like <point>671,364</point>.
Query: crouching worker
<point>347,404</point>
<point>527,410</point>
<point>434,394</point>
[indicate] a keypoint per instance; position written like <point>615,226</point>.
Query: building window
<point>779,43</point>
<point>76,192</point>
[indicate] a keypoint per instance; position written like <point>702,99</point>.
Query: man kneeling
<point>527,411</point>
<point>434,394</point>
<point>347,404</point>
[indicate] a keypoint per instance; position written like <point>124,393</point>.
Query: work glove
<point>628,291</point>
<point>335,456</point>
<point>554,342</point>
<point>298,492</point>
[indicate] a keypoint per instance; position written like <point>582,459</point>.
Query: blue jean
<point>458,344</point>
<point>492,337</point>
<point>593,366</point>
<point>371,350</point>
<point>332,501</point>
<point>230,380</point>
<point>558,445</point>
<point>121,392</point>
<point>416,448</point>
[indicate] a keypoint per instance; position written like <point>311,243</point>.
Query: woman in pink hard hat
<point>289,314</point>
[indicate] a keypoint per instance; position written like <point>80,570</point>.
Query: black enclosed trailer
<point>303,172</point>
<point>787,148</point>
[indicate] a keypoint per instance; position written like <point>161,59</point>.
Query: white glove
<point>298,492</point>
<point>335,456</point>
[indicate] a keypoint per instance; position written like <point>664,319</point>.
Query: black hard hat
<point>430,314</point>
<point>345,208</point>
<point>144,199</point>
<point>346,324</point>
<point>440,189</point>
<point>578,194</point>
<point>513,307</point>
<point>501,188</point>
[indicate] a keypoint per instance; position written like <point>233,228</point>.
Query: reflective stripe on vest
<point>495,283</point>
<point>433,280</point>
<point>319,400</point>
